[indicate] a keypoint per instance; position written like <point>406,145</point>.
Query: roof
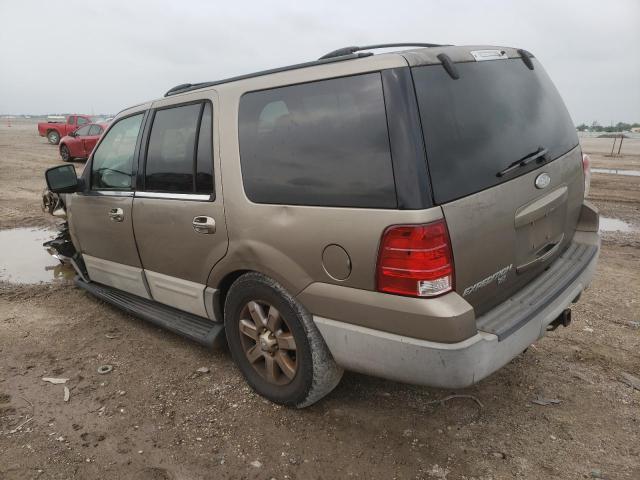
<point>428,53</point>
<point>340,55</point>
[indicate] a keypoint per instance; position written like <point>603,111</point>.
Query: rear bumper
<point>461,364</point>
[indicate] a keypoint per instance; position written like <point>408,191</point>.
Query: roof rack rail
<point>351,50</point>
<point>188,87</point>
<point>182,86</point>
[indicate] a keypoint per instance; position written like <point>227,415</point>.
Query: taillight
<point>586,169</point>
<point>415,260</point>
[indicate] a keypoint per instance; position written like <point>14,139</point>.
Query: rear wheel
<point>64,153</point>
<point>54,137</point>
<point>275,343</point>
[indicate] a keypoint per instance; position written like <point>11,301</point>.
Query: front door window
<point>112,166</point>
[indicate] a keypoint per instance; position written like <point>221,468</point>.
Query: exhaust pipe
<point>563,319</point>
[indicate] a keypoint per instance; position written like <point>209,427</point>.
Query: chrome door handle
<point>116,214</point>
<point>204,224</point>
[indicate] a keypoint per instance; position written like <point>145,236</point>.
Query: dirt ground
<point>155,417</point>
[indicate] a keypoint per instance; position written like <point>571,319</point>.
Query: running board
<point>193,327</point>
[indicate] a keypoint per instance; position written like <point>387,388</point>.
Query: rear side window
<point>172,144</point>
<point>496,113</point>
<point>112,164</point>
<point>82,121</point>
<point>173,163</point>
<point>321,143</point>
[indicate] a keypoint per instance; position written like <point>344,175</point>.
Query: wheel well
<point>223,289</point>
<point>52,130</point>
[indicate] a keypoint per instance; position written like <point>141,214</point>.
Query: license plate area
<point>540,228</point>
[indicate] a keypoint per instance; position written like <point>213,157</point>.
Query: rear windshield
<point>496,113</point>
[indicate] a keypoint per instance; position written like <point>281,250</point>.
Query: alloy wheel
<point>267,342</point>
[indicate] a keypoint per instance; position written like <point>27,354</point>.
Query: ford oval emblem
<point>543,180</point>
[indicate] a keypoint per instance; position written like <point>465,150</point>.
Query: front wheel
<point>64,153</point>
<point>275,343</point>
<point>53,137</point>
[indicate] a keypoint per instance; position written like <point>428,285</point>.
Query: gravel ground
<point>156,417</point>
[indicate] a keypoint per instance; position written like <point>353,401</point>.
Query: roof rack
<point>188,87</point>
<point>351,50</point>
<point>340,55</point>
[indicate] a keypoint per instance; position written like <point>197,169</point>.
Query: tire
<point>252,296</point>
<point>65,154</point>
<point>54,137</point>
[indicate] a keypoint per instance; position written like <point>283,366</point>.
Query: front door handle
<point>116,214</point>
<point>203,224</point>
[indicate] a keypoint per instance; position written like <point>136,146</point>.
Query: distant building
<point>635,129</point>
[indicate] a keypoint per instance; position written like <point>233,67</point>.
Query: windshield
<point>496,113</point>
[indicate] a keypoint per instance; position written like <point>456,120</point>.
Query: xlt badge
<point>500,276</point>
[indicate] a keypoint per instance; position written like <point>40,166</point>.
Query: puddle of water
<point>617,171</point>
<point>615,225</point>
<point>23,259</point>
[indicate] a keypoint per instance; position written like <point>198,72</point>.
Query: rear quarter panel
<point>286,241</point>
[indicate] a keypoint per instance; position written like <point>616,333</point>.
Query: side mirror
<point>73,134</point>
<point>62,179</point>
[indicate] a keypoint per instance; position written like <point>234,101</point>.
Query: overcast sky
<point>100,57</point>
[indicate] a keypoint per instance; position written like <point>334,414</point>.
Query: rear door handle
<point>203,224</point>
<point>116,214</point>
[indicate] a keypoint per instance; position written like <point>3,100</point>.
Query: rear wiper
<point>537,155</point>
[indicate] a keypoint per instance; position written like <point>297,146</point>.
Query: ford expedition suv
<point>416,215</point>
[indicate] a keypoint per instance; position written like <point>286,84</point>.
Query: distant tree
<point>581,128</point>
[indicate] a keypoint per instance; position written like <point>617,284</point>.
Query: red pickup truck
<point>54,131</point>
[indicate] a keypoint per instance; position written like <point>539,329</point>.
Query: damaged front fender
<point>53,204</point>
<point>62,247</point>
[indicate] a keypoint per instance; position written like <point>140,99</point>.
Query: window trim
<point>134,162</point>
<point>142,159</point>
<point>408,151</point>
<point>174,195</point>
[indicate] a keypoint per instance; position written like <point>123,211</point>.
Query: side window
<point>204,159</point>
<point>170,155</point>
<point>94,130</point>
<point>81,132</point>
<point>321,143</point>
<point>180,152</point>
<point>82,121</point>
<point>71,120</point>
<point>112,165</point>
